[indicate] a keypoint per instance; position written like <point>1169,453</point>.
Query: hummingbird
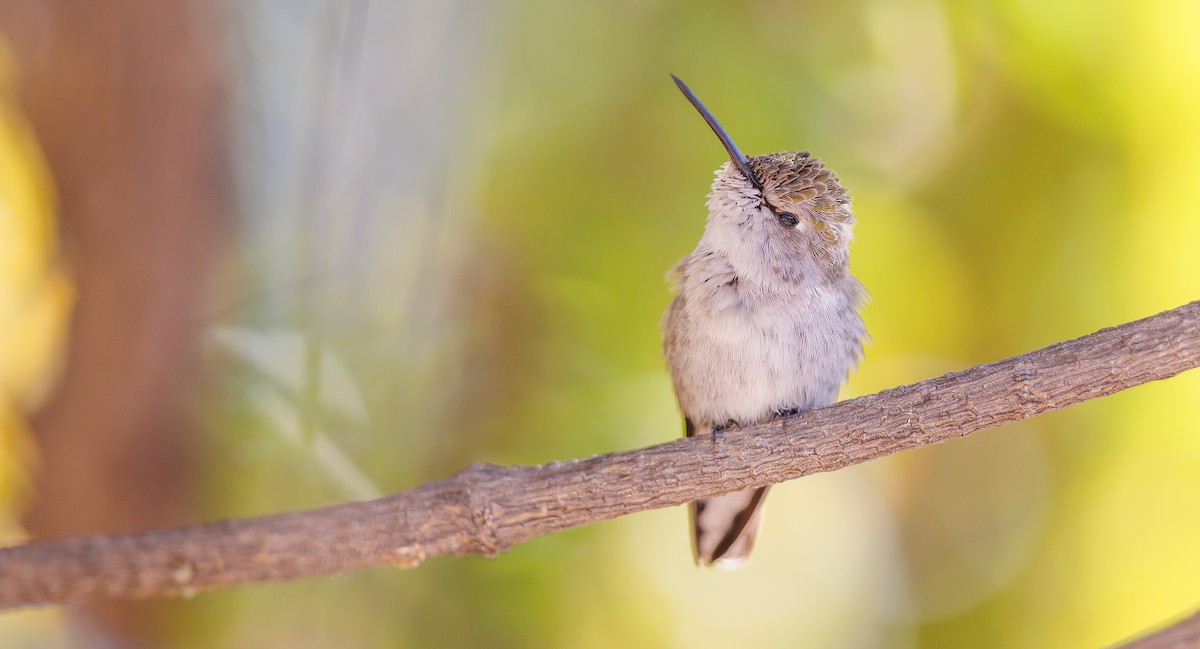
<point>765,319</point>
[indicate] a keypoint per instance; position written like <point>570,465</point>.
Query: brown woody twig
<point>488,509</point>
<point>1184,634</point>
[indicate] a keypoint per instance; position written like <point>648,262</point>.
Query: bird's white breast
<point>745,352</point>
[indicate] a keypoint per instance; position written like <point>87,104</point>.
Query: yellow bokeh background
<point>35,302</point>
<point>455,221</point>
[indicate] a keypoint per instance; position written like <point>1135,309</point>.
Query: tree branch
<point>1184,633</point>
<point>488,509</point>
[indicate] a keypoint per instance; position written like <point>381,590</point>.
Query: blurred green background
<point>454,219</point>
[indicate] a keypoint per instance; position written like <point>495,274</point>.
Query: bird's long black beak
<point>735,153</point>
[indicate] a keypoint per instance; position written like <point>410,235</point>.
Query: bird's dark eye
<point>788,220</point>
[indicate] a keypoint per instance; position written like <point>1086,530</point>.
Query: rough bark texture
<point>488,509</point>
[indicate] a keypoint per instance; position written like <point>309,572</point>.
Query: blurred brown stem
<point>488,509</point>
<point>128,102</point>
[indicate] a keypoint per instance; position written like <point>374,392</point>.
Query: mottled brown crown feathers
<point>796,176</point>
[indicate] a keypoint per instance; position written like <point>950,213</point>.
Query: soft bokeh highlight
<point>455,222</point>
